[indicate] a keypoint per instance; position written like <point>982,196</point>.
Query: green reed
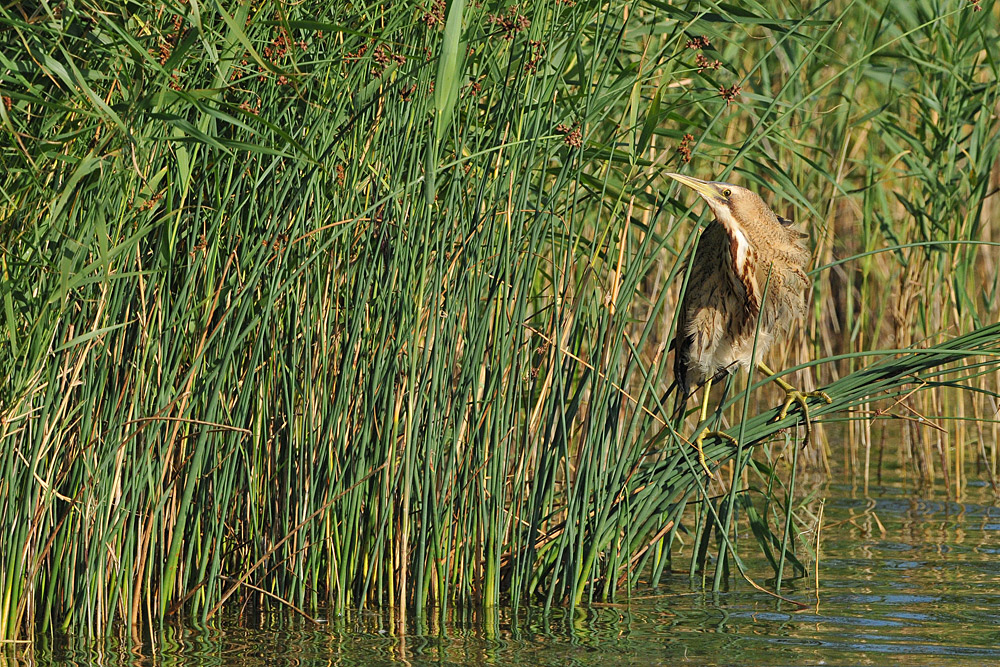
<point>365,304</point>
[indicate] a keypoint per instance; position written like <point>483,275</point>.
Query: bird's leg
<point>793,395</point>
<point>703,418</point>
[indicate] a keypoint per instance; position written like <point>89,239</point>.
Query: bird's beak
<point>707,190</point>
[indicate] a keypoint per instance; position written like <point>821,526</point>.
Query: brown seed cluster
<point>536,50</point>
<point>152,201</point>
<point>340,174</point>
<point>278,48</point>
<point>685,148</point>
<point>277,243</point>
<point>434,14</point>
<point>540,354</point>
<point>704,63</point>
<point>976,7</point>
<point>474,87</point>
<point>357,55</point>
<point>167,45</point>
<point>729,94</point>
<point>167,48</point>
<point>275,52</point>
<point>200,246</point>
<point>383,57</point>
<point>406,92</point>
<point>246,106</point>
<point>698,43</point>
<point>509,24</point>
<point>7,102</point>
<point>572,136</point>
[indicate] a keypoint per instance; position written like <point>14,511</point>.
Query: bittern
<point>746,285</point>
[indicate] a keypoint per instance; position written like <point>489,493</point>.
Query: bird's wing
<point>700,307</point>
<point>792,233</point>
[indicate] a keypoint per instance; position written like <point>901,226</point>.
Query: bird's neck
<point>739,245</point>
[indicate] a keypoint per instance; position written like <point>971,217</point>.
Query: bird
<point>746,286</point>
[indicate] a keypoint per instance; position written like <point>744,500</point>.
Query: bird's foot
<point>799,397</point>
<point>701,452</point>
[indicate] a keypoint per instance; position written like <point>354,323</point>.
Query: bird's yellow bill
<point>704,188</point>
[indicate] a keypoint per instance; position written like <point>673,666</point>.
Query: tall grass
<point>368,304</point>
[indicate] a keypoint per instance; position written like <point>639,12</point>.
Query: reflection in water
<point>902,581</point>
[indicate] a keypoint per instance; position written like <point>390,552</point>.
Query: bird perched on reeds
<point>747,284</point>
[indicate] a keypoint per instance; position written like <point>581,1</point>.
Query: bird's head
<point>751,226</point>
<point>734,207</point>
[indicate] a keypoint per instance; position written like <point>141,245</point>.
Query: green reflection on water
<point>904,580</point>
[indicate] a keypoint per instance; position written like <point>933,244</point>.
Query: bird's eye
<point>727,192</point>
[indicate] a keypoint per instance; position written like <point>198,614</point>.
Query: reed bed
<point>365,303</point>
